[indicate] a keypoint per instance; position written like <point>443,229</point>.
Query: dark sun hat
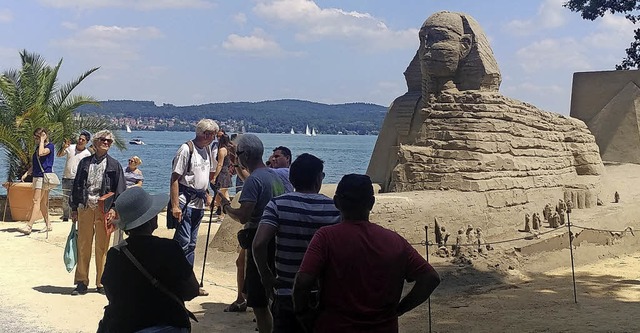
<point>136,207</point>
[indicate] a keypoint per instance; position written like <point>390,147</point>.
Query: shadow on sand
<point>470,300</point>
<point>214,319</point>
<point>54,290</point>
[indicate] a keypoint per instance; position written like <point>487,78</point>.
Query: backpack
<point>171,221</point>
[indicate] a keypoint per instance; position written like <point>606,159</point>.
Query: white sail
<point>128,129</point>
<point>313,132</point>
<point>307,132</point>
<point>292,131</point>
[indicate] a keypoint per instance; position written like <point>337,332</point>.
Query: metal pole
<point>426,245</point>
<point>206,245</point>
<point>573,271</point>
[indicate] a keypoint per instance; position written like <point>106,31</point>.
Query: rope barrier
<point>423,243</point>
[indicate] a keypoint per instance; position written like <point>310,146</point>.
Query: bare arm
<point>42,150</point>
<point>425,285</point>
<point>264,235</point>
<point>174,196</point>
<point>302,287</point>
<point>222,153</point>
<point>241,214</point>
<point>63,151</point>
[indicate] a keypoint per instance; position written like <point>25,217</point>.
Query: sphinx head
<point>455,53</point>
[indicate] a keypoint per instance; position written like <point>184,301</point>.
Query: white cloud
<point>256,44</point>
<point>240,18</point>
<point>550,15</point>
<point>6,16</point>
<point>69,25</point>
<point>563,53</point>
<point>112,45</point>
<point>315,23</point>
<point>614,32</point>
<point>589,52</point>
<point>132,4</point>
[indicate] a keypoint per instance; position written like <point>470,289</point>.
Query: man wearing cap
<point>74,153</point>
<point>361,268</point>
<point>134,302</point>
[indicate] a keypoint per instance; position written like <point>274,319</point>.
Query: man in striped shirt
<point>292,219</point>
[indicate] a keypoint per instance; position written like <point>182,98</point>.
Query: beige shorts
<point>37,182</point>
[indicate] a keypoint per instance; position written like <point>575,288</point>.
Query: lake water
<point>342,154</point>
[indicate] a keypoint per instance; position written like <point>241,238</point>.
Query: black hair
<point>355,193</point>
<point>223,141</point>
<point>285,151</point>
<point>304,172</point>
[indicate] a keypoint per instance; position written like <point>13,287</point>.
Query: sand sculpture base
<point>484,141</point>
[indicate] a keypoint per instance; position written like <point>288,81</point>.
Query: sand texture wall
<point>482,141</point>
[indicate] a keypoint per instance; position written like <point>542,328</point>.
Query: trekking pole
<point>206,245</point>
<point>573,270</point>
<point>426,245</point>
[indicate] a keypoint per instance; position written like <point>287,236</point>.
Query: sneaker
<point>81,289</point>
<point>202,292</point>
<point>65,219</point>
<point>100,290</point>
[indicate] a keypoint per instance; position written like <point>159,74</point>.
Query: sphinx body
<point>454,130</point>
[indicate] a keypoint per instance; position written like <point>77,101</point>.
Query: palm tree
<point>30,98</point>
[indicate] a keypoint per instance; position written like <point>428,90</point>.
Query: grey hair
<point>101,134</point>
<point>206,125</point>
<point>249,148</point>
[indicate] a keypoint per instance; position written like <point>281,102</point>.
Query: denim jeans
<point>67,185</point>
<point>187,231</point>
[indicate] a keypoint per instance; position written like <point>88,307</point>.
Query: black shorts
<point>256,295</point>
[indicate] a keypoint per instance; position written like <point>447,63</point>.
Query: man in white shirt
<point>192,171</point>
<point>74,153</point>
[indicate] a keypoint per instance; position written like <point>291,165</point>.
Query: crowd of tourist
<point>306,262</point>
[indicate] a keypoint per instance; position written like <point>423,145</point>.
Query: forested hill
<point>263,117</point>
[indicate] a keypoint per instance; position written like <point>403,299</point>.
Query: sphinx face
<point>441,50</point>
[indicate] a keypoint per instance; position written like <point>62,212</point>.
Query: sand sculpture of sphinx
<point>454,130</point>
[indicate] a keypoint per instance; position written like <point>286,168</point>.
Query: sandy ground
<point>504,292</point>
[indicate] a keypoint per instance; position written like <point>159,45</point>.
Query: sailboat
<point>292,131</point>
<point>307,132</point>
<point>128,129</point>
<point>313,132</point>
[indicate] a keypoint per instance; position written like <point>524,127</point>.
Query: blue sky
<point>199,51</point>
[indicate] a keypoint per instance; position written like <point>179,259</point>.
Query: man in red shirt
<point>361,268</point>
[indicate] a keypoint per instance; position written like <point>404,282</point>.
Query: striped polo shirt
<point>297,216</point>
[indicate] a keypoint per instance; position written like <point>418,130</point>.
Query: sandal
<point>236,307</point>
<point>46,229</point>
<point>24,230</point>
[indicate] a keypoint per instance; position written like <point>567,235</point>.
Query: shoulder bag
<point>50,179</point>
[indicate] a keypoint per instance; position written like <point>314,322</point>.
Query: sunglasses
<point>109,141</point>
<point>131,161</point>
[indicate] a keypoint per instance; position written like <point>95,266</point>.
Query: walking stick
<point>215,189</point>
